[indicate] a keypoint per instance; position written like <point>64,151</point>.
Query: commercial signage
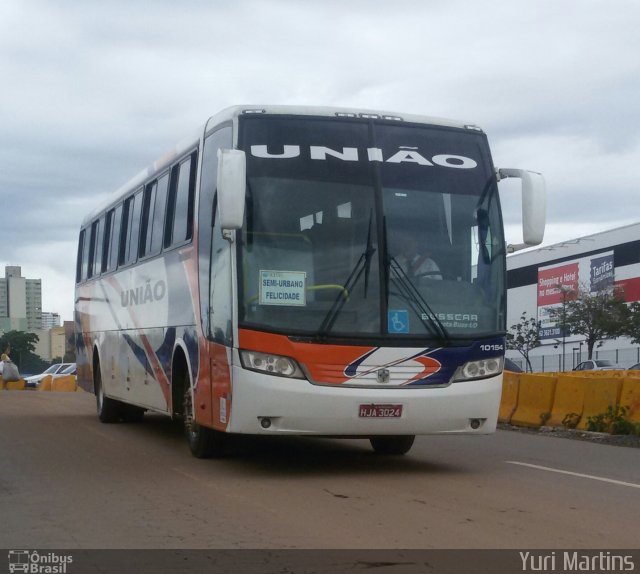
<point>560,283</point>
<point>602,273</point>
<point>283,287</point>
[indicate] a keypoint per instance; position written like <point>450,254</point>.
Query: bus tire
<point>395,445</point>
<point>203,442</point>
<point>109,410</point>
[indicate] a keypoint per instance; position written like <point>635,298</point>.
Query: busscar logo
<point>34,562</point>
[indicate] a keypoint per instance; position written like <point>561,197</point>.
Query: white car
<point>70,370</point>
<point>34,380</point>
<point>597,365</point>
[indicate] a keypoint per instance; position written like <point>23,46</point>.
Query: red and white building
<point>536,279</point>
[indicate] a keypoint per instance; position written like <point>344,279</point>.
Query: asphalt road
<point>68,481</point>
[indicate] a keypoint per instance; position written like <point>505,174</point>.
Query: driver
<point>417,262</point>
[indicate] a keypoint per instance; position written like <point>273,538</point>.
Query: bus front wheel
<point>396,445</point>
<point>203,442</point>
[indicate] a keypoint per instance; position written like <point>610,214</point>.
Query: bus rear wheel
<point>396,445</point>
<point>203,442</point>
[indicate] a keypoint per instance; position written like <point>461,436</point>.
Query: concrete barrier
<point>600,393</point>
<point>509,399</point>
<point>45,383</point>
<point>551,398</point>
<point>20,385</point>
<point>630,397</point>
<point>568,401</point>
<point>65,384</point>
<point>535,400</point>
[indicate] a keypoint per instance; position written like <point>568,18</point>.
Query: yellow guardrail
<point>600,393</point>
<point>568,402</point>
<point>45,383</point>
<point>12,385</point>
<point>535,400</point>
<point>568,399</point>
<point>630,397</point>
<point>510,391</point>
<point>64,384</point>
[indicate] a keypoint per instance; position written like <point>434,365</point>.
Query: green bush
<point>613,421</point>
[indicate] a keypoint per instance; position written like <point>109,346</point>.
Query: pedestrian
<point>9,369</point>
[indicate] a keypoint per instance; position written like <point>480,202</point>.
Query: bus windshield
<point>369,229</point>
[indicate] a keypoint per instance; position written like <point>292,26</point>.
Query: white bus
<point>260,279</point>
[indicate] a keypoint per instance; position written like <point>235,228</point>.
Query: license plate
<point>380,411</point>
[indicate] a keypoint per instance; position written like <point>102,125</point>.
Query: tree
<point>23,346</point>
<point>597,316</point>
<point>524,337</point>
<point>632,329</point>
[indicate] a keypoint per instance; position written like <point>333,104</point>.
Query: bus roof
<point>231,114</point>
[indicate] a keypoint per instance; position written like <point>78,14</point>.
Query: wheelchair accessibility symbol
<point>398,321</point>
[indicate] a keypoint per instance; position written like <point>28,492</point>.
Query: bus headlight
<point>271,364</point>
<point>479,369</point>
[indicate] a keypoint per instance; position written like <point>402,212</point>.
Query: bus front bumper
<point>264,404</point>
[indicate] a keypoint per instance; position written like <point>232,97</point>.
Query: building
<point>56,343</point>
<point>20,301</point>
<point>50,320</point>
<point>536,279</point>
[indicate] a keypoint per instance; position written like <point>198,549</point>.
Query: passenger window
<point>148,205</point>
<point>158,214</point>
<point>80,256</point>
<point>181,202</point>
<point>132,208</point>
<point>95,250</point>
<point>113,237</point>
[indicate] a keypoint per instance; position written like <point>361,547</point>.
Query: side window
<point>131,230</point>
<point>114,218</point>
<point>146,225</point>
<point>81,251</point>
<point>181,202</point>
<point>95,249</point>
<point>221,138</point>
<point>159,211</point>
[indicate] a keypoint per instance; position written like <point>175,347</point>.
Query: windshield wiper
<point>363,265</point>
<point>419,305</point>
<point>368,255</point>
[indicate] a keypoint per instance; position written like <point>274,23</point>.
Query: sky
<point>92,92</point>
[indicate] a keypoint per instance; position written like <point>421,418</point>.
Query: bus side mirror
<point>534,206</point>
<point>232,185</point>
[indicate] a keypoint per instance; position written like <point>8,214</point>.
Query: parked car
<point>512,366</point>
<point>34,380</point>
<point>70,370</point>
<point>597,365</point>
<point>635,367</point>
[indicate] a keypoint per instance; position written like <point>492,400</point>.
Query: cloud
<point>94,92</point>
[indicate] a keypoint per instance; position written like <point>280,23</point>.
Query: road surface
<point>69,481</point>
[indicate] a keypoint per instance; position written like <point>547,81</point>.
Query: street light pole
<point>565,293</point>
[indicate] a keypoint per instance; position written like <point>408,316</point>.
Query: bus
<point>256,280</point>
